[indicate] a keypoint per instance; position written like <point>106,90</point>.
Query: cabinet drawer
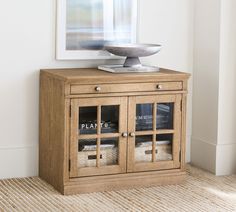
<point>131,87</point>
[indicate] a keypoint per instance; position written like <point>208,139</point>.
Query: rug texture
<point>201,191</point>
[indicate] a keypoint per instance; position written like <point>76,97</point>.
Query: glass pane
<point>143,148</point>
<point>87,153</point>
<point>164,147</point>
<point>144,116</point>
<point>165,115</point>
<point>109,151</point>
<point>110,119</point>
<point>88,120</point>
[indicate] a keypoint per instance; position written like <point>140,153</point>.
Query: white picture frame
<point>62,53</point>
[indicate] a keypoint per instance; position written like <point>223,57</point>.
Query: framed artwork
<point>85,26</point>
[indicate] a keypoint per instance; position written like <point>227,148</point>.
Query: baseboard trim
<point>203,154</point>
<point>18,161</point>
<point>188,148</point>
<point>219,159</point>
<point>225,159</point>
<point>16,147</point>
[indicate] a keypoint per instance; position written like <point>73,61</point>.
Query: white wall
<point>214,99</point>
<point>226,148</point>
<point>205,82</point>
<point>27,44</point>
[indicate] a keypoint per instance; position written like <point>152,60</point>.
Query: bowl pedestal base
<point>132,62</point>
<point>134,69</point>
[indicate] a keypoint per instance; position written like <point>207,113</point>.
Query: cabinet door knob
<point>97,88</point>
<point>132,134</point>
<point>159,87</point>
<point>124,134</point>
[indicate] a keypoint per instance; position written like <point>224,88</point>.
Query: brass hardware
<point>98,88</point>
<point>132,134</point>
<point>159,87</point>
<point>124,134</point>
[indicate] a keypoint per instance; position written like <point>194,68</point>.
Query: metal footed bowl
<point>133,52</point>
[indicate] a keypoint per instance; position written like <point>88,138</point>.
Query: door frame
<point>74,136</point>
<point>176,131</point>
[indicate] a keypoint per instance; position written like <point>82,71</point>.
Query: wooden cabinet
<point>102,131</point>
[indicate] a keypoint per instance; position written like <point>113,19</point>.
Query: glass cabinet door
<point>98,140</point>
<point>154,126</point>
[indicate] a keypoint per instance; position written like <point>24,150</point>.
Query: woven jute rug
<point>202,191</point>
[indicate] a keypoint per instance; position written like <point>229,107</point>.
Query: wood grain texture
<point>154,124</point>
<point>176,143</point>
<point>94,76</point>
<point>128,87</point>
<point>52,126</point>
<point>183,132</point>
<point>118,182</point>
<point>134,166</point>
<point>140,93</point>
<point>73,151</point>
<point>99,119</point>
<point>131,128</point>
<point>75,136</point>
<point>63,91</point>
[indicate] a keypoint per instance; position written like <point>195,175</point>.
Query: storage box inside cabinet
<point>87,154</point>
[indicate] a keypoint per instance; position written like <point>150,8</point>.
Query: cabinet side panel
<point>52,131</point>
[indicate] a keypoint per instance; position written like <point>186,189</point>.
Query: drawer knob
<point>124,134</point>
<point>159,87</point>
<point>132,134</point>
<point>97,88</point>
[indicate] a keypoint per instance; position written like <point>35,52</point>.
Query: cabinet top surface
<point>91,74</point>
